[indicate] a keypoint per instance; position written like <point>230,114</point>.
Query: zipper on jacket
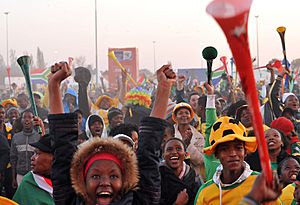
<point>26,155</point>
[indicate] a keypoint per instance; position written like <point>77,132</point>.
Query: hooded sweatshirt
<point>72,92</point>
<point>87,128</point>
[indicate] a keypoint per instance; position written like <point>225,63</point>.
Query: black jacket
<point>63,132</point>
<point>171,185</point>
<point>4,150</point>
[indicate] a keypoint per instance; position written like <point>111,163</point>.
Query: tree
<point>32,65</point>
<point>40,62</point>
<point>79,61</point>
<point>296,63</point>
<point>14,67</point>
<point>3,72</point>
<point>15,70</point>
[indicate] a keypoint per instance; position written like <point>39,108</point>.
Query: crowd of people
<point>187,145</point>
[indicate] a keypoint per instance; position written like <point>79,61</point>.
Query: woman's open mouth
<point>104,198</point>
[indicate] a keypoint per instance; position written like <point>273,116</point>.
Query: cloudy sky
<point>180,29</point>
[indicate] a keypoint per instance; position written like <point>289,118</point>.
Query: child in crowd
<point>288,170</point>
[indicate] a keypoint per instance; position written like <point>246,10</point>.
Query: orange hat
<point>179,106</point>
<point>10,101</point>
<point>98,102</point>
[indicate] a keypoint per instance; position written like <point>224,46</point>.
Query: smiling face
<point>289,171</point>
<point>27,121</point>
<point>231,155</point>
<point>13,115</point>
<point>273,139</point>
<point>183,116</point>
<point>104,182</point>
<point>292,102</point>
<point>105,104</point>
<point>174,154</point>
<point>116,120</point>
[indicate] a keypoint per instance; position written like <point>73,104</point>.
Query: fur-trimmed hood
<point>109,145</point>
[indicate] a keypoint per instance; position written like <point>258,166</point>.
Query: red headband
<point>102,156</point>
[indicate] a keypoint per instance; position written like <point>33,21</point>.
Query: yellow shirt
<point>209,193</point>
<point>287,195</point>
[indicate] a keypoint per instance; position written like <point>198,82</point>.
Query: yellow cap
<point>227,129</point>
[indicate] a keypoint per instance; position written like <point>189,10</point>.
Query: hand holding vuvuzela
<point>24,62</point>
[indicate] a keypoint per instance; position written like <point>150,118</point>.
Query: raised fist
<point>59,72</point>
<point>166,75</point>
<point>82,75</point>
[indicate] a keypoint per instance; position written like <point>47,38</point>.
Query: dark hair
<point>280,165</point>
<point>123,128</point>
<point>233,108</point>
<point>78,111</point>
<point>171,127</point>
<point>202,101</point>
<point>173,138</point>
<point>17,125</point>
<point>283,139</point>
<point>239,111</point>
<point>94,118</point>
<point>191,94</point>
<point>22,95</point>
<point>112,112</point>
<point>2,107</point>
<point>25,111</point>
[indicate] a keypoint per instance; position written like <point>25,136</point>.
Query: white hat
<point>124,137</point>
<point>286,95</point>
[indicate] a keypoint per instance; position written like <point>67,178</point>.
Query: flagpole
<point>7,61</point>
<point>257,45</point>
<point>96,44</point>
<point>154,57</point>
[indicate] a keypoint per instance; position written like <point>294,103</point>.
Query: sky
<point>180,29</point>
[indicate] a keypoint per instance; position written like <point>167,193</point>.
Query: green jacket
<point>210,162</point>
